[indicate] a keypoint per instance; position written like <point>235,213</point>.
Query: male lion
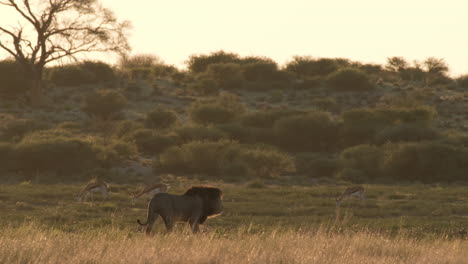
<point>194,207</point>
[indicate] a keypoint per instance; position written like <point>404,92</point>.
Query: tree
<point>396,64</point>
<point>436,66</point>
<point>54,30</point>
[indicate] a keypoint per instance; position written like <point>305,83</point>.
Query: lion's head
<point>212,199</point>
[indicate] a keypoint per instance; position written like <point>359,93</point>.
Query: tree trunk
<point>36,95</point>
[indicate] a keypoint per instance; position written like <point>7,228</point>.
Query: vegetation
<point>62,29</point>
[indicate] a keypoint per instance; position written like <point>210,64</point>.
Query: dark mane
<point>206,192</point>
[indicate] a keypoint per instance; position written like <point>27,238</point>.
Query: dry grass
<point>32,244</point>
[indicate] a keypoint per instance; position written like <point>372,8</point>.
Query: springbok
<point>92,187</point>
<point>149,191</point>
<point>355,191</point>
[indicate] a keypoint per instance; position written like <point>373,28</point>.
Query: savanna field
<point>260,224</point>
<point>282,142</point>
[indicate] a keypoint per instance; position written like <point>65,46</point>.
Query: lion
<point>194,206</point>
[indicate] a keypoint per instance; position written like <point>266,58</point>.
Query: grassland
<point>271,224</point>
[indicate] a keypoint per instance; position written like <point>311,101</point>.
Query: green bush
<point>315,131</point>
<point>196,157</point>
<point>199,133</point>
<point>12,79</point>
<point>309,83</point>
<point>125,129</point>
<point>115,152</point>
<point>326,104</point>
<point>226,75</point>
<point>70,75</point>
<point>102,72</point>
<point>160,118</point>
<point>364,158</point>
<point>46,151</point>
<point>200,63</point>
<point>206,86</point>
<point>216,110</point>
<point>215,158</point>
<point>87,72</point>
<point>349,80</point>
<point>9,161</point>
<point>260,71</point>
<point>316,165</point>
<point>406,133</point>
<point>266,118</point>
<point>266,162</point>
<point>248,135</point>
<point>211,114</point>
<point>308,66</point>
<point>15,129</point>
<point>150,142</point>
<point>426,162</point>
<point>104,103</point>
<point>360,126</point>
<point>463,81</point>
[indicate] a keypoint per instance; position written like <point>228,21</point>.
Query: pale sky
<point>364,30</point>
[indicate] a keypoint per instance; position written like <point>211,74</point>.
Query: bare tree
<point>53,30</point>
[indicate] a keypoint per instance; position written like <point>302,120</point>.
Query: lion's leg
<point>194,225</point>
<point>149,225</point>
<point>168,222</point>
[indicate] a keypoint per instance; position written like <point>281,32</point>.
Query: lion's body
<point>194,207</point>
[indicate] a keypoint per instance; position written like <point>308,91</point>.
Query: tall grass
<point>33,244</point>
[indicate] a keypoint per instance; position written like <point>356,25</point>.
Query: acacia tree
<point>54,30</point>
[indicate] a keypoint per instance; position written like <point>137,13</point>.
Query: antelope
<point>149,191</point>
<point>355,191</point>
<point>92,187</point>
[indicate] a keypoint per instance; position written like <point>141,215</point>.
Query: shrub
<point>160,118</point>
<point>199,133</point>
<point>150,142</point>
<point>101,72</point>
<point>426,162</point>
<point>308,66</point>
<point>463,81</point>
<point>139,60</point>
<point>406,133</point>
<point>361,126</point>
<point>70,75</point>
<point>316,165</point>
<point>196,157</point>
<point>309,83</point>
<point>349,80</point>
<point>205,86</point>
<point>266,118</point>
<point>46,151</point>
<point>124,129</point>
<point>260,71</point>
<point>162,71</point>
<point>248,135</point>
<point>200,63</point>
<point>326,104</point>
<point>9,161</point>
<point>315,131</point>
<point>266,162</point>
<point>226,75</point>
<point>211,114</point>
<point>115,152</point>
<point>104,103</point>
<point>15,129</point>
<point>12,79</point>
<point>214,158</point>
<point>217,110</point>
<point>364,158</point>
